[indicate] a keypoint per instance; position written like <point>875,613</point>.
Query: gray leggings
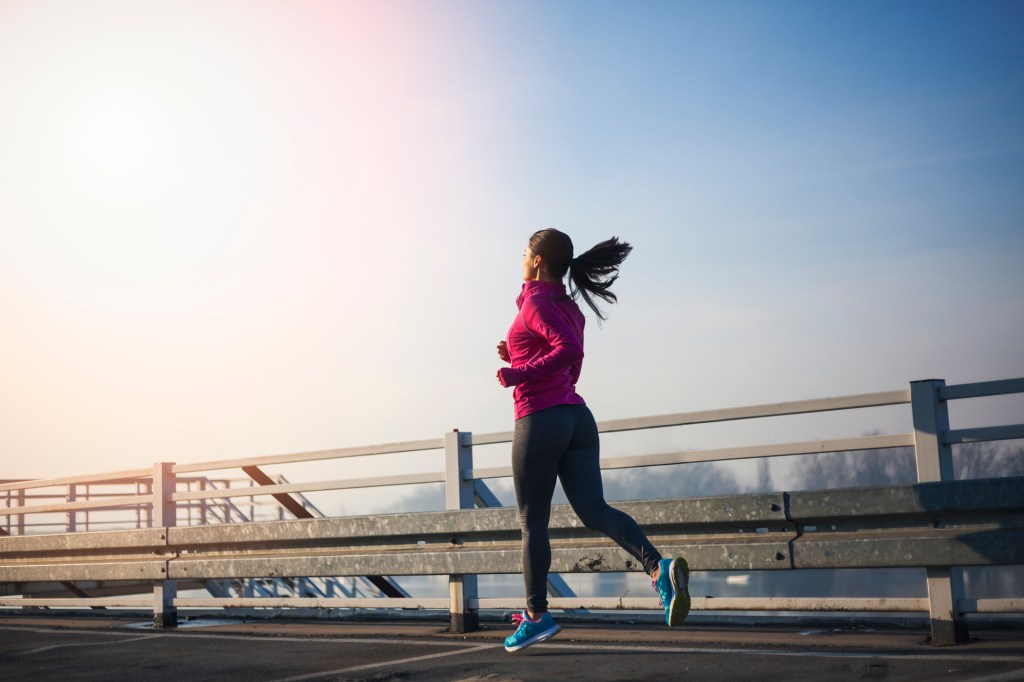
<point>562,442</point>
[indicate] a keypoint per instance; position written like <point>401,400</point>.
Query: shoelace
<point>518,618</point>
<point>661,600</point>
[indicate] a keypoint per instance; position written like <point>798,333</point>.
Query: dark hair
<point>591,274</point>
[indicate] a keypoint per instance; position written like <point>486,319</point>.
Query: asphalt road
<point>40,648</point>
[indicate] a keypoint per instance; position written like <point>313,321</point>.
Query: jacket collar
<point>539,287</point>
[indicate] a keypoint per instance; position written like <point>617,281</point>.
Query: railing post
<point>21,517</point>
<point>935,463</point>
<point>202,503</point>
<point>931,422</point>
<point>165,515</point>
<point>72,516</point>
<point>458,494</point>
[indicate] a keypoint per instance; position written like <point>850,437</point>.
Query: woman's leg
<point>580,473</point>
<point>538,442</point>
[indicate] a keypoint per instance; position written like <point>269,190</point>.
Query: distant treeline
<point>862,468</point>
<point>820,471</point>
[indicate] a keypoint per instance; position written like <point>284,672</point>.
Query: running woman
<point>555,435</point>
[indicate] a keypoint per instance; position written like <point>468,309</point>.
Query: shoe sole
<point>680,606</point>
<point>547,634</point>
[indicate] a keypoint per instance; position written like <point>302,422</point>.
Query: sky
<point>231,229</point>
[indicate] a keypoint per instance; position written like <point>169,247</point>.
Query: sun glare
<point>116,139</point>
<point>111,142</point>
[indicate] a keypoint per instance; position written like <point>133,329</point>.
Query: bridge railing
<point>100,504</point>
<point>465,487</point>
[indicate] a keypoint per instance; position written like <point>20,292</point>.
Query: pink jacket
<point>545,345</point>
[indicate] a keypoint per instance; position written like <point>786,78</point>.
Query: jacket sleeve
<point>542,318</point>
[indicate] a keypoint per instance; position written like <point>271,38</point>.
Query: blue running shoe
<point>673,586</point>
<point>530,631</point>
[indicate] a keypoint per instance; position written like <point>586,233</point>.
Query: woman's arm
<point>543,318</point>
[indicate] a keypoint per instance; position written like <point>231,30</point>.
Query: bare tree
<point>896,466</point>
<point>854,469</point>
<point>988,460</point>
<point>699,479</point>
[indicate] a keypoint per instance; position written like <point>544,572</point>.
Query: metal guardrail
<point>962,523</point>
<point>202,512</point>
<point>163,554</point>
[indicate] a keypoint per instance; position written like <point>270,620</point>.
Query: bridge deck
<point>110,648</point>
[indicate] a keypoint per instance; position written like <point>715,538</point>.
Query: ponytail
<point>593,273</point>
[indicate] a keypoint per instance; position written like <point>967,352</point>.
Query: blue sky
<point>235,229</point>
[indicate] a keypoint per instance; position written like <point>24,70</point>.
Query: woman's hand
<point>503,351</point>
<point>510,377</point>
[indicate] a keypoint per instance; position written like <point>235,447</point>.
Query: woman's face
<point>531,264</point>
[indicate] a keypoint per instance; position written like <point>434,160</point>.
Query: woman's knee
<point>595,517</point>
<point>534,525</point>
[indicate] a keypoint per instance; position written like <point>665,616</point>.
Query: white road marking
<point>466,647</point>
<point>59,646</point>
<point>244,638</point>
<point>383,664</point>
<point>584,646</point>
<point>1012,676</point>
